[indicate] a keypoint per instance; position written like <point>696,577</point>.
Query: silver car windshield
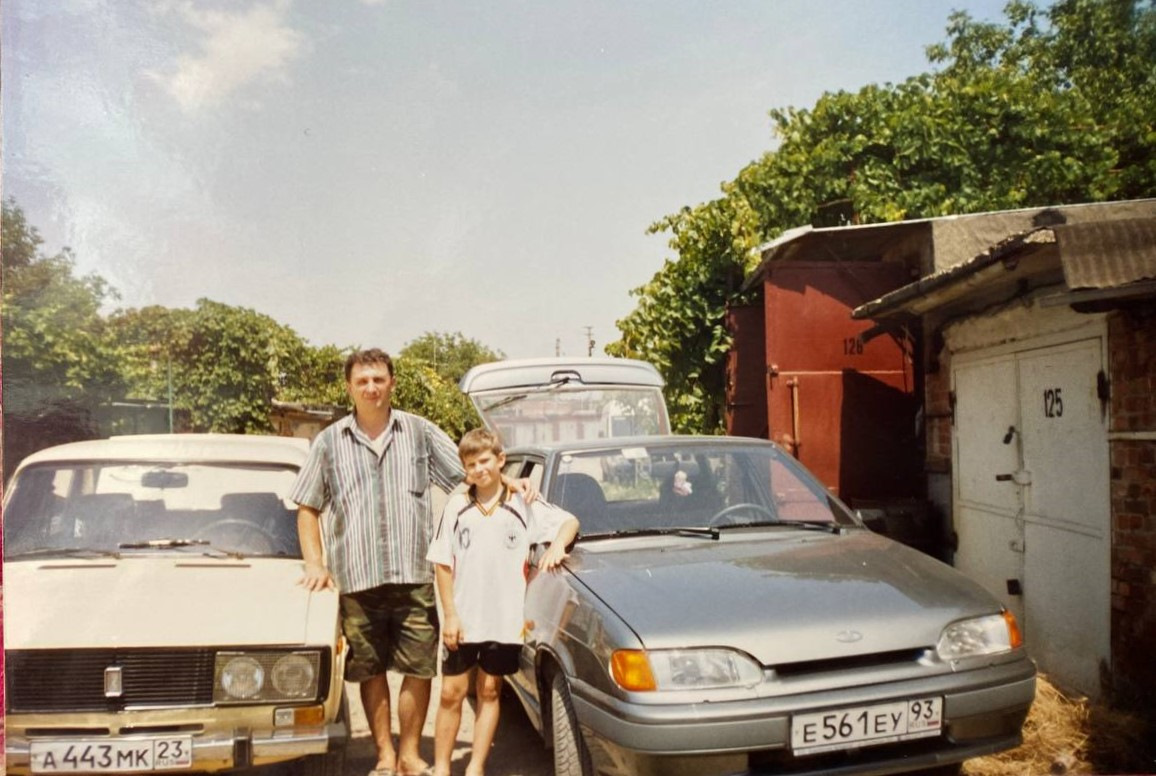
<point>690,485</point>
<point>113,507</point>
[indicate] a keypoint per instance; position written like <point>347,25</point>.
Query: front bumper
<point>983,713</point>
<point>213,751</point>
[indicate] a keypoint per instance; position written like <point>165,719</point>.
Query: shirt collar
<point>349,426</point>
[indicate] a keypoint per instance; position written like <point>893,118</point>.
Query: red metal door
<point>841,401</point>
<point>746,388</point>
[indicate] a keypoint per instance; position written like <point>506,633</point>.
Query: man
<point>370,473</point>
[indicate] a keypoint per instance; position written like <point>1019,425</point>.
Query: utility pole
<point>589,340</point>
<point>558,346</point>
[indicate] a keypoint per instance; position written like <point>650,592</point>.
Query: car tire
<point>571,757</point>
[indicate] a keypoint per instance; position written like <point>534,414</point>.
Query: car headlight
<point>242,677</point>
<point>979,636</point>
<point>265,677</point>
<point>294,676</point>
<point>683,669</point>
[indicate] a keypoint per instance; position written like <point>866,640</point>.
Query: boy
<point>480,553</point>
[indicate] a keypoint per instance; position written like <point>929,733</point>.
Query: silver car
<point>722,612</point>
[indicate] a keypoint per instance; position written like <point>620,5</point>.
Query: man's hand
<point>552,558</point>
<point>529,493</point>
<point>317,578</point>
<point>452,634</point>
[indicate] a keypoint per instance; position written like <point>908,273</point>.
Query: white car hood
<point>162,602</point>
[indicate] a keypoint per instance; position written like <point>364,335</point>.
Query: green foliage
<point>57,363</point>
<point>450,355</point>
<point>1051,107</point>
<point>55,347</point>
<point>422,391</point>
<point>678,324</point>
<point>225,364</point>
<point>428,371</point>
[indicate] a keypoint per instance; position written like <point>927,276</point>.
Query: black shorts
<point>495,658</point>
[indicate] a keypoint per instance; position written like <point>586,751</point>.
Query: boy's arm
<point>556,553</point>
<point>451,625</point>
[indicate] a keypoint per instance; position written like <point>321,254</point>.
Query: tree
<point>224,364</point>
<point>450,355</point>
<point>1049,108</point>
<point>58,364</point>
<point>429,370</point>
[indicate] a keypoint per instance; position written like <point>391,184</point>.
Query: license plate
<point>882,723</point>
<point>123,755</point>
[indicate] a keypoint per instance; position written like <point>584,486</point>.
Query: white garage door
<point>1032,501</point>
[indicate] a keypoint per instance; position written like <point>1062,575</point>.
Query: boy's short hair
<point>478,441</point>
<point>368,356</point>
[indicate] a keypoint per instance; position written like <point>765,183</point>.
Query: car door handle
<point>1003,478</point>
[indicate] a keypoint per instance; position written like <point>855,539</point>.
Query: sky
<point>366,171</point>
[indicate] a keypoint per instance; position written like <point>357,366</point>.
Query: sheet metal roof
<point>1113,254</point>
<point>1107,254</point>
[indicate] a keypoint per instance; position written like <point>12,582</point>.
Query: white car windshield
<point>102,506</point>
<point>568,412</point>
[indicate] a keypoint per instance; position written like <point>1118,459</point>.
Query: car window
<point>691,484</point>
<point>527,469</point>
<point>570,413</point>
<point>104,506</point>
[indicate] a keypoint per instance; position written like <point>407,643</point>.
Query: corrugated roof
<point>1107,254</point>
<point>953,282</point>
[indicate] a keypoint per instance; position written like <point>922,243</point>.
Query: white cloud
<point>237,49</point>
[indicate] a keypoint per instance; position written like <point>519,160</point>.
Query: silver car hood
<point>780,594</point>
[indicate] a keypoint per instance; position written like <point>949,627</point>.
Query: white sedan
<point>152,616</point>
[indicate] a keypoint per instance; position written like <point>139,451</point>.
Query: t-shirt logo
<point>511,538</point>
<point>464,538</point>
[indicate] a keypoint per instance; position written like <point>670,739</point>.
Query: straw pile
<point>1065,735</point>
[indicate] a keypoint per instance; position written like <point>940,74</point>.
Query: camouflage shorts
<point>390,628</point>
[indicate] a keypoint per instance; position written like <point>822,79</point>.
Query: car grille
<point>74,680</point>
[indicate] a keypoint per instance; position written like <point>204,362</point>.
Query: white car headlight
<point>979,636</point>
<point>241,677</point>
<point>683,669</point>
<point>294,676</point>
<point>266,676</point>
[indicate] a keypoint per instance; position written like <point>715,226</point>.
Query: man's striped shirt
<point>376,513</point>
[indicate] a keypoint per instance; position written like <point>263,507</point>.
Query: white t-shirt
<point>489,556</point>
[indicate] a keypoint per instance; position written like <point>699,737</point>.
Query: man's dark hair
<point>368,356</point>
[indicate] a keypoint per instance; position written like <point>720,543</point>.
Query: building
<point>1031,336</point>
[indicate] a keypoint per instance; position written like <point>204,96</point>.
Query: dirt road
<point>517,751</point>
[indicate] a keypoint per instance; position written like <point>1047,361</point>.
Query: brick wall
<point>937,409</point>
<point>1132,364</point>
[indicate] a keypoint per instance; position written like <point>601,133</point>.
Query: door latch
<point>1021,477</point>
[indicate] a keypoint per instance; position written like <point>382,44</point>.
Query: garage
<point>1031,474</point>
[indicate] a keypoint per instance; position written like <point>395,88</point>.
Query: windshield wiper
<point>708,532</point>
<point>504,402</point>
<point>811,525</point>
<point>553,386</point>
<point>65,552</point>
<point>163,544</point>
<point>171,544</point>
